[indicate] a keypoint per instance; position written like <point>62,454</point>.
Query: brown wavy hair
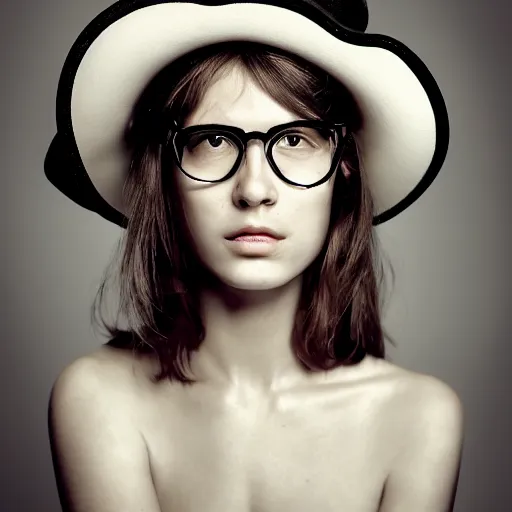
<point>338,319</point>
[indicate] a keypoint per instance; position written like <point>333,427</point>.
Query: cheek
<point>202,211</point>
<point>311,219</point>
<point>199,217</point>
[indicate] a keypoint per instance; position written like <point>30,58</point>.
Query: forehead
<point>235,98</point>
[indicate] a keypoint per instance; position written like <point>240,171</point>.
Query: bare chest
<point>304,451</point>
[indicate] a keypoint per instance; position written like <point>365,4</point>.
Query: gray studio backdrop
<point>451,251</point>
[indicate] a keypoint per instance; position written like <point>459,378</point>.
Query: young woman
<point>248,149</point>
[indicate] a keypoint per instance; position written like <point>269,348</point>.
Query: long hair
<point>338,320</point>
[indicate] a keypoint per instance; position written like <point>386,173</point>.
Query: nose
<point>255,182</point>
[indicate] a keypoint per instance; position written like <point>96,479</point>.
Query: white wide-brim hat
<point>402,146</point>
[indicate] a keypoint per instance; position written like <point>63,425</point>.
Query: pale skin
<point>256,433</point>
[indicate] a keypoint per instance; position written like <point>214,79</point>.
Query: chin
<point>256,276</point>
<point>256,284</point>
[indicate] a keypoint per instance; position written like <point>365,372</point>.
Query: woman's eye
<point>292,140</point>
<point>205,142</point>
<point>215,140</point>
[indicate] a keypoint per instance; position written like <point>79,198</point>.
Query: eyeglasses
<point>301,153</point>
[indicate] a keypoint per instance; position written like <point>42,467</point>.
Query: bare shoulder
<point>414,391</point>
<point>425,416</point>
<point>104,369</point>
<point>94,438</point>
<point>420,409</point>
<point>423,399</point>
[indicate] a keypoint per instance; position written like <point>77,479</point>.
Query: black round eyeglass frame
<point>241,139</point>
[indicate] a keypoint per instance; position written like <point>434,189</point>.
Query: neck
<point>248,337</point>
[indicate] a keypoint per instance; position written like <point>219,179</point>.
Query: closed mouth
<point>255,232</point>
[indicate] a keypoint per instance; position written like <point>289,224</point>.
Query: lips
<point>254,231</point>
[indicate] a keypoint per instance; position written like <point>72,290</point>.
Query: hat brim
<point>405,136</point>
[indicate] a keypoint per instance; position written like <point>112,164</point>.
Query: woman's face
<point>254,196</point>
